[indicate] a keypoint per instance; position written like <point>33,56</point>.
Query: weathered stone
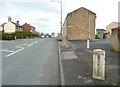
<point>78,23</point>
<point>115,39</point>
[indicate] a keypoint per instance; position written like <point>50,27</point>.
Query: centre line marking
<point>30,45</point>
<point>35,41</point>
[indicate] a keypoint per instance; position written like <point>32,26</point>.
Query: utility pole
<point>61,31</point>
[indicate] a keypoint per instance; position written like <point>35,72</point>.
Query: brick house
<point>78,24</point>
<point>26,27</point>
<point>29,28</point>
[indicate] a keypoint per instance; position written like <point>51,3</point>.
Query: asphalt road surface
<point>30,62</point>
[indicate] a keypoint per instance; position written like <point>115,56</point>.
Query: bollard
<point>88,44</point>
<point>99,64</point>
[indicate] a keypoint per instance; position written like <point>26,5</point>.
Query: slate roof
<point>17,25</point>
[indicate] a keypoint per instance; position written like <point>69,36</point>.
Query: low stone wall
<point>115,39</point>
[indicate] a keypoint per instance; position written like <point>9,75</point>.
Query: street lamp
<point>61,15</point>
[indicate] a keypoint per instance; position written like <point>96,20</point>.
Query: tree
<point>47,35</point>
<point>52,34</point>
<point>42,34</point>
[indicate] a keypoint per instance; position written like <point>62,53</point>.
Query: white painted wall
<point>1,28</point>
<point>9,27</point>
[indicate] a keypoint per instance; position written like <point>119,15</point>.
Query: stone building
<point>79,25</point>
<point>115,39</point>
<point>110,27</point>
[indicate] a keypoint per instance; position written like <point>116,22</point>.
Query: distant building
<point>33,30</point>
<point>26,27</point>
<point>29,28</point>
<point>110,27</point>
<point>11,27</point>
<point>79,25</point>
<point>101,33</point>
<point>18,26</point>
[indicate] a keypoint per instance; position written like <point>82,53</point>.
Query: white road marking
<point>35,41</point>
<point>19,46</point>
<point>13,53</point>
<point>7,50</point>
<point>30,44</point>
<point>4,49</point>
<point>10,54</point>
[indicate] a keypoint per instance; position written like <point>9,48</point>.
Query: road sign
<point>99,64</point>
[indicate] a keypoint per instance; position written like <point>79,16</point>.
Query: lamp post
<point>61,31</point>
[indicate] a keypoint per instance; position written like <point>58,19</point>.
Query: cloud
<point>45,15</point>
<point>106,11</point>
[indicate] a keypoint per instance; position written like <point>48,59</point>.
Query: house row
<point>11,27</point>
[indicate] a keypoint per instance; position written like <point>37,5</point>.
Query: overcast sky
<point>45,15</point>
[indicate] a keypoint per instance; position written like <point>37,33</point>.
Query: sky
<point>45,14</point>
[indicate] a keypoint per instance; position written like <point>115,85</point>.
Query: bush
<point>18,34</point>
<point>21,34</point>
<point>96,37</point>
<point>4,36</point>
<point>104,35</point>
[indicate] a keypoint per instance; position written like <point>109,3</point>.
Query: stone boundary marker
<point>99,64</point>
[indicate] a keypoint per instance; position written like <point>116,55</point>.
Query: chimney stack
<point>17,22</point>
<point>9,19</point>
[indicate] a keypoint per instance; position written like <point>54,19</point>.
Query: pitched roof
<point>113,22</point>
<point>79,9</point>
<point>17,25</point>
<point>100,30</point>
<point>116,22</point>
<point>3,24</point>
<point>82,8</point>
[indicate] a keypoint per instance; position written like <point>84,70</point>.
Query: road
<point>30,62</point>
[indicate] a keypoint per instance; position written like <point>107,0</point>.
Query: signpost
<point>99,64</point>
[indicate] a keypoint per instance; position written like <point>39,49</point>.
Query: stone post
<point>99,64</point>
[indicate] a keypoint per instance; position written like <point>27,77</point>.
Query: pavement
<point>76,63</point>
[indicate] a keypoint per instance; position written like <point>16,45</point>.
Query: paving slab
<point>69,55</point>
